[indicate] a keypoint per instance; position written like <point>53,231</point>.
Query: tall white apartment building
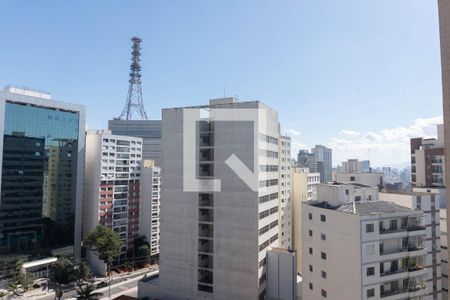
<point>149,204</point>
<point>356,248</point>
<point>112,187</point>
<point>285,219</point>
<point>219,214</point>
<point>429,204</point>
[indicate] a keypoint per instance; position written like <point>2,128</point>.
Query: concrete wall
<point>342,247</point>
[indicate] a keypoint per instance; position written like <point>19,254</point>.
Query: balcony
<point>205,230</point>
<point>205,200</point>
<point>205,261</point>
<point>205,215</point>
<point>205,276</point>
<point>205,246</point>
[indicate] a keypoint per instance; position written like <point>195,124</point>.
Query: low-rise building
<point>370,179</point>
<point>281,274</point>
<point>358,247</point>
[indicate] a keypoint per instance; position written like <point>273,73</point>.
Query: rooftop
<point>364,207</point>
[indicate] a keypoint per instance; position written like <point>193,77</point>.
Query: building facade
<point>427,161</point>
<point>285,209</point>
<point>304,185</point>
<point>355,166</point>
<point>148,130</point>
<point>112,188</point>
<point>149,204</point>
<point>42,161</point>
<point>370,179</point>
<point>324,159</point>
<point>444,25</point>
<point>429,204</point>
<point>216,227</point>
<point>305,159</point>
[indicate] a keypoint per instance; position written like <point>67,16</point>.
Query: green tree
<point>22,282</point>
<point>83,272</point>
<point>62,272</point>
<point>87,292</point>
<point>106,244</point>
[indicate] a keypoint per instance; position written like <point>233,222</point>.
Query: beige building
<point>356,248</point>
<point>304,185</point>
<point>444,24</point>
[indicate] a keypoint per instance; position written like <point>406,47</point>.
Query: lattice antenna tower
<point>135,102</point>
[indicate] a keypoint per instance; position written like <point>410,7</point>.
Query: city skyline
<point>279,54</point>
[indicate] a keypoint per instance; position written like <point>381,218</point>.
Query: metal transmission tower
<point>135,101</point>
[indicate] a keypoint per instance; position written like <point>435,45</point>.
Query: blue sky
<point>349,74</point>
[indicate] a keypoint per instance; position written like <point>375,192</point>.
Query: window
<point>323,218</point>
<point>324,293</point>
<point>346,192</point>
<point>310,232</point>
<point>310,250</point>
<point>310,268</point>
<point>310,286</point>
<point>370,293</point>
<point>357,198</point>
<point>323,255</point>
<point>370,249</point>
<point>352,178</point>
<point>370,271</point>
<point>323,236</point>
<point>323,274</point>
<point>310,216</point>
<point>369,228</point>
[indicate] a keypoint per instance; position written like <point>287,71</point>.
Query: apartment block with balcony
<point>362,249</point>
<point>285,180</point>
<point>215,226</point>
<point>149,204</point>
<point>427,161</point>
<point>428,203</point>
<point>112,188</point>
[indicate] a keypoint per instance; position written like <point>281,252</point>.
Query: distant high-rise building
<point>42,162</point>
<point>356,247</point>
<point>355,166</point>
<point>305,159</point>
<point>427,161</point>
<point>323,156</point>
<point>149,204</point>
<point>148,130</point>
<point>220,212</point>
<point>112,188</point>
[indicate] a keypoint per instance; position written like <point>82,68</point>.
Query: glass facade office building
<point>40,205</point>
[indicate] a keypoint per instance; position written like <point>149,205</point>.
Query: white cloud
<point>293,132</point>
<point>387,146</point>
